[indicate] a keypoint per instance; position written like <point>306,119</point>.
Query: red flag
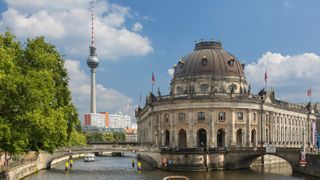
<point>153,79</point>
<point>265,77</point>
<point>309,92</point>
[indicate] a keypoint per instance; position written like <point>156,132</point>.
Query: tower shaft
<point>93,91</point>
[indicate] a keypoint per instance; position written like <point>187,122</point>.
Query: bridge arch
<point>238,160</point>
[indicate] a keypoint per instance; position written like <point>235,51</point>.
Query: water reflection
<point>119,168</point>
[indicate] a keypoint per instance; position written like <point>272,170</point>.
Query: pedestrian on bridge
<point>71,163</point>
<point>67,166</point>
<point>139,166</point>
<point>132,163</point>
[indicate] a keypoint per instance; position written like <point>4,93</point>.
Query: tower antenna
<point>92,24</point>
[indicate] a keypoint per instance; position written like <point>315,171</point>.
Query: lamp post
<point>226,138</point>
<point>156,133</point>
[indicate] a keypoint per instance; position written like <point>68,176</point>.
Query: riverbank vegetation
<point>106,137</point>
<point>36,111</point>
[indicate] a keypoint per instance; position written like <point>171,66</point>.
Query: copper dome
<point>209,58</point>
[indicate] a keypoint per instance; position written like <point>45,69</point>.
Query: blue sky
<point>136,38</point>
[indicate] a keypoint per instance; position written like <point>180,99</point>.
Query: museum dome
<point>209,58</point>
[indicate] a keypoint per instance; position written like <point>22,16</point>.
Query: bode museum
<point>211,105</point>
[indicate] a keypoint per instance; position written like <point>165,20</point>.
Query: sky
<point>136,38</point>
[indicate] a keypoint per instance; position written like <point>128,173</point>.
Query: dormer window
<point>231,62</point>
<point>204,87</point>
<point>204,61</point>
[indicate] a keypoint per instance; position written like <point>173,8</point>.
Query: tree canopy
<point>36,111</point>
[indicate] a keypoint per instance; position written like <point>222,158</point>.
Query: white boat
<point>176,178</point>
<point>89,157</point>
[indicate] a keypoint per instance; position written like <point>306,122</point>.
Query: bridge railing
<point>18,161</point>
<point>212,150</point>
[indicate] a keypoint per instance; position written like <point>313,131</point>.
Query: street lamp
<point>261,94</point>
<point>226,138</point>
<point>156,133</point>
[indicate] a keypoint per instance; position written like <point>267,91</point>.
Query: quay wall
<point>313,165</point>
<point>24,170</point>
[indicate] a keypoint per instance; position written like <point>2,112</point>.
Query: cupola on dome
<point>209,58</point>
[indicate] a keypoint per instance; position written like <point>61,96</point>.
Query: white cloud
<point>290,76</point>
<point>36,5</point>
<point>171,72</point>
<point>137,27</point>
<point>66,23</point>
<point>33,25</point>
<point>107,99</point>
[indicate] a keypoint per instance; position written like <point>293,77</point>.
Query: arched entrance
<point>202,138</point>
<point>253,137</point>
<point>182,138</point>
<point>239,137</point>
<point>221,138</point>
<point>167,142</point>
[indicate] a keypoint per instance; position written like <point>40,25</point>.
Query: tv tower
<point>93,63</point>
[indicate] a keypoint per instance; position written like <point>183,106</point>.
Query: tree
<point>36,111</point>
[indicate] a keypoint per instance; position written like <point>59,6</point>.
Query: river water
<point>119,168</point>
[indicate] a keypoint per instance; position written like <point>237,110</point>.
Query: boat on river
<point>176,178</point>
<point>89,157</point>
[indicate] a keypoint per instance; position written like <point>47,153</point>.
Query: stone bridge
<point>220,158</point>
<point>63,154</point>
<point>188,159</point>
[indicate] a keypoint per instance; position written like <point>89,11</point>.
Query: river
<point>119,168</point>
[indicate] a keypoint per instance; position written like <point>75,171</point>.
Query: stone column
<point>210,132</point>
<point>151,135</point>
<point>248,132</point>
<point>172,133</point>
<point>212,128</point>
<point>231,132</point>
<point>190,130</point>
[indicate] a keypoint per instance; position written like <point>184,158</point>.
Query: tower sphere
<point>93,60</point>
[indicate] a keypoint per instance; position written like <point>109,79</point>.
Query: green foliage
<point>77,138</point>
<point>36,112</point>
<point>106,137</point>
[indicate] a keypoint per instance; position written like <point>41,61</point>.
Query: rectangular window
<point>201,116</point>
<point>240,116</point>
<point>222,116</point>
<point>166,117</point>
<point>181,117</point>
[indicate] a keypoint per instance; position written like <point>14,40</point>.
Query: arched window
<point>202,138</point>
<point>204,87</point>
<point>182,138</point>
<point>221,138</point>
<point>240,134</point>
<point>253,137</point>
<point>167,142</point>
